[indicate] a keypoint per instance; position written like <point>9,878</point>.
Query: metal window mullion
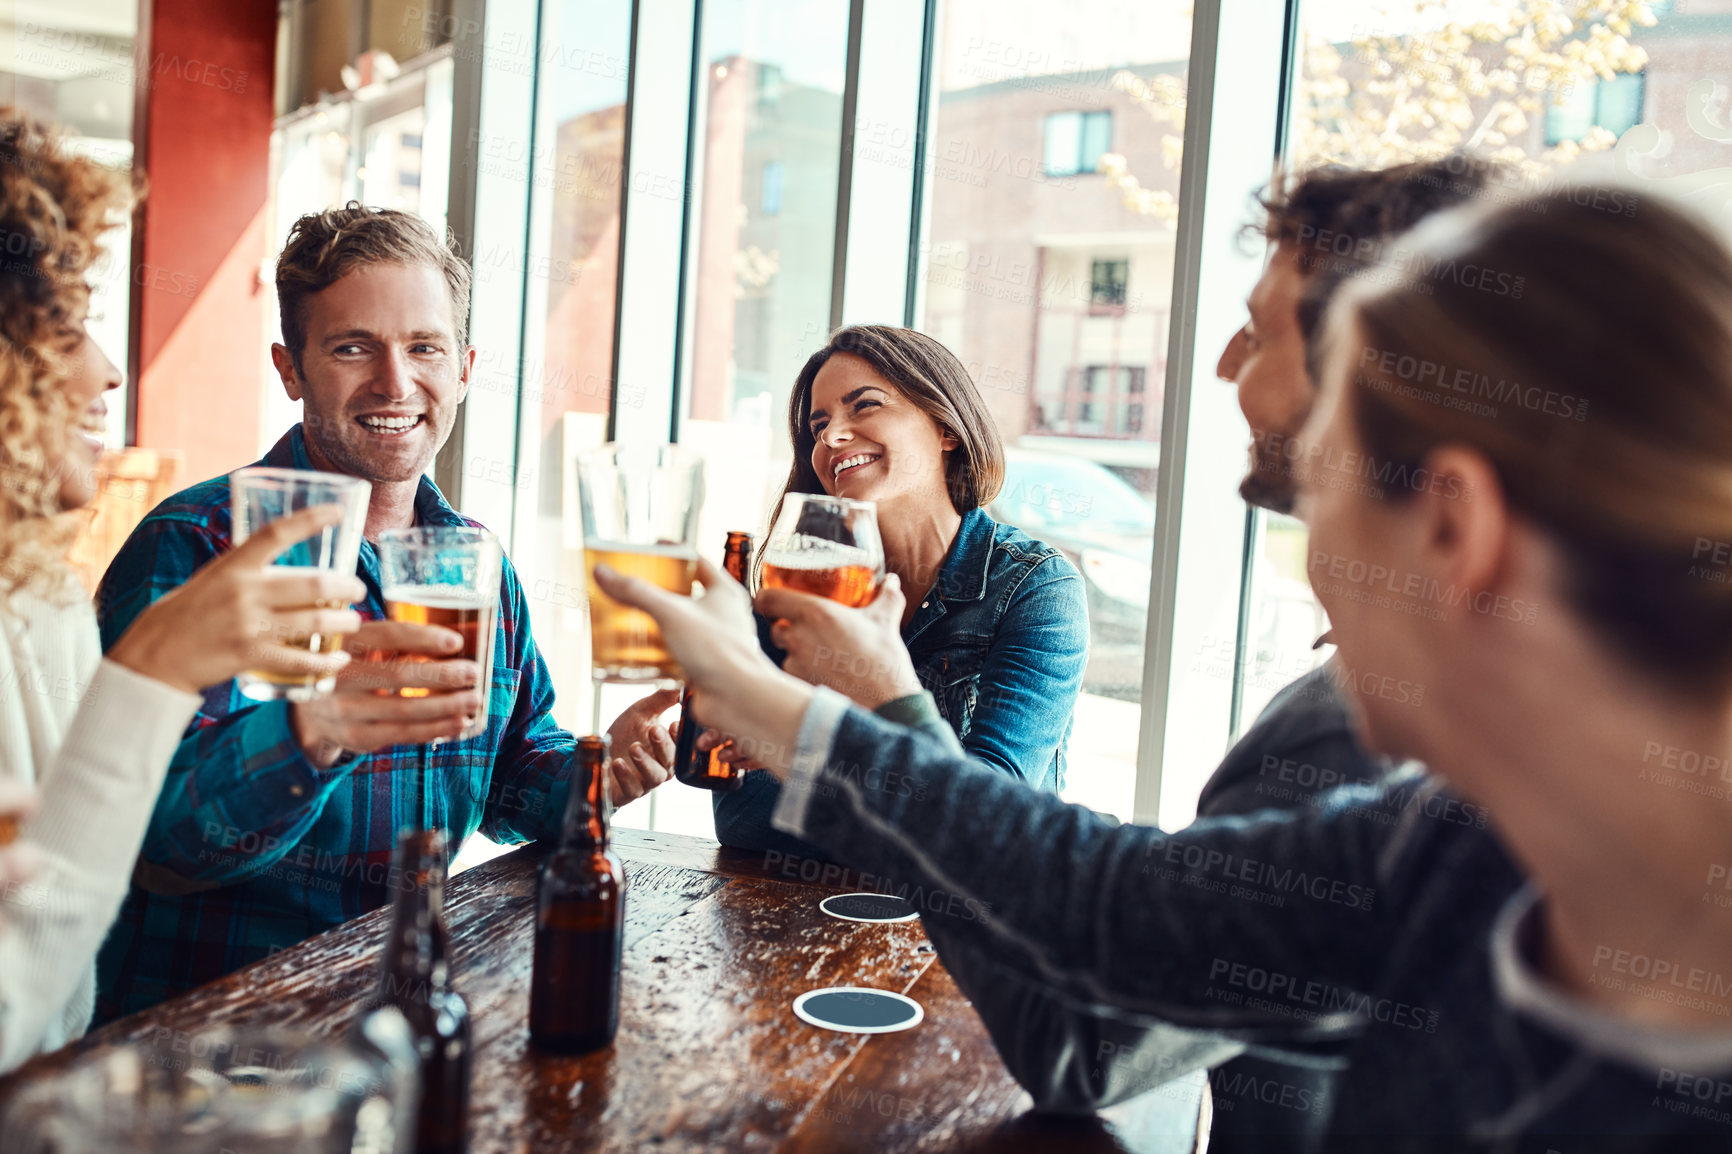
<point>543,180</point>
<point>882,172</point>
<point>914,296</point>
<point>661,158</point>
<point>1291,63</point>
<point>492,119</point>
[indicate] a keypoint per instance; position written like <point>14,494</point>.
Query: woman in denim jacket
<point>996,621</point>
<point>1528,951</point>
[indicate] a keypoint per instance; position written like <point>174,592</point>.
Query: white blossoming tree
<point>1393,97</point>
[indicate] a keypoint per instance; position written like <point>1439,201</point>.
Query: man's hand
<point>365,713</point>
<point>735,688</point>
<point>648,758</point>
<point>857,652</point>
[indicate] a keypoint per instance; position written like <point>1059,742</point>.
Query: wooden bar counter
<point>710,1056</point>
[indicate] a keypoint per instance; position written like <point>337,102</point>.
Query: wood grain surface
<point>709,1055</point>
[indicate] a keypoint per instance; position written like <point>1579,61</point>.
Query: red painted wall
<point>200,315</point>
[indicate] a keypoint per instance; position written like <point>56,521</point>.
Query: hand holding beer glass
<point>446,576</point>
<point>259,496</point>
<point>640,509</point>
<point>826,546</point>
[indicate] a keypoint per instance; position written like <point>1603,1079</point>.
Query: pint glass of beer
<point>259,496</point>
<point>640,507</point>
<point>828,546</point>
<point>445,575</point>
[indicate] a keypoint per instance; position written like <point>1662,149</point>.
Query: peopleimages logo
<point>1403,261</point>
<point>1472,384</point>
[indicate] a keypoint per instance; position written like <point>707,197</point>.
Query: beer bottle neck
<point>415,963</point>
<point>737,556</point>
<point>586,810</point>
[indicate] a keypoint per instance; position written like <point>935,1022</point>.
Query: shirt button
<point>924,604</point>
<point>295,791</point>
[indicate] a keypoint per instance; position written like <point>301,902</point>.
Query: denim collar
<point>963,577</point>
<point>430,508</point>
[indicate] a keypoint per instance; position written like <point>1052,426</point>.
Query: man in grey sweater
<point>1322,228</point>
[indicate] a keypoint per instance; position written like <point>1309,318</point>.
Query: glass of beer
<point>259,496</point>
<point>640,507</point>
<point>828,546</point>
<point>445,575</point>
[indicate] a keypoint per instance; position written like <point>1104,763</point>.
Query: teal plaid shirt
<point>252,848</point>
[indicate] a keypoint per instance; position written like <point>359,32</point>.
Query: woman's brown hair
<point>935,382</point>
<point>53,208</point>
<point>1581,340</point>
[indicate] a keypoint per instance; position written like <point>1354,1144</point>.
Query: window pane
<point>1097,138</point>
<point>390,149</point>
<point>1618,103</point>
<point>1024,252</point>
<point>1063,143</point>
<point>1570,115</point>
<point>1553,115</point>
<point>1107,282</point>
<point>573,264</point>
<point>760,261</point>
<point>73,66</point>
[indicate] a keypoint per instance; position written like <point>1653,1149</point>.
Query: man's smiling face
<point>382,372</point>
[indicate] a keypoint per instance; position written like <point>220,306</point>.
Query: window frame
<point>1239,69</point>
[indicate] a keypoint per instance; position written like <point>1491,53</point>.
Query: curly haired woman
<point>84,740</point>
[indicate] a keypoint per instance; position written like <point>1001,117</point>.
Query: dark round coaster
<point>868,907</point>
<point>855,1010</point>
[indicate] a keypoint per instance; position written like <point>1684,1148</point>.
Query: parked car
<point>1107,529</point>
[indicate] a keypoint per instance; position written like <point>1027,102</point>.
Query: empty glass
<point>262,1091</point>
<point>259,496</point>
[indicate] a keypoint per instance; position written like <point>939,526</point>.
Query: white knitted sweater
<point>96,740</point>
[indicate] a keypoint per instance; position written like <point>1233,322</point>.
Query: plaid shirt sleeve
<point>533,769</point>
<point>239,792</point>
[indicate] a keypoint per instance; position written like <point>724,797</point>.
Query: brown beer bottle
<point>415,980</point>
<point>691,764</point>
<point>579,920</point>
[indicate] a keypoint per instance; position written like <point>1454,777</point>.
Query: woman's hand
<point>239,613</point>
<point>857,652</point>
<point>735,688</point>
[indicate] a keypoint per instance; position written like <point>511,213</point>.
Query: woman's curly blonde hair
<point>53,208</point>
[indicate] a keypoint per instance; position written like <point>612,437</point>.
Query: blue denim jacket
<point>1000,643</point>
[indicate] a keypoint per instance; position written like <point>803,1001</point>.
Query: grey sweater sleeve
<point>743,816</point>
<point>1081,941</point>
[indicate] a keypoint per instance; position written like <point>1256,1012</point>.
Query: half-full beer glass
<point>445,575</point>
<point>640,507</point>
<point>260,496</point>
<point>828,546</point>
